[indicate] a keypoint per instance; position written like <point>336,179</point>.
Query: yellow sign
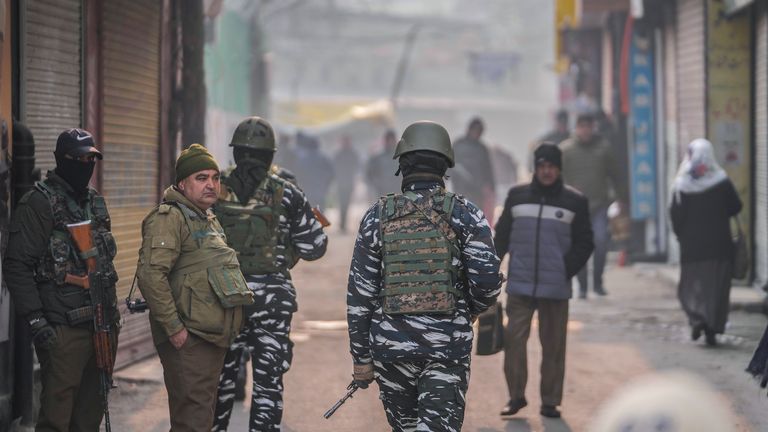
<point>566,16</point>
<point>729,89</point>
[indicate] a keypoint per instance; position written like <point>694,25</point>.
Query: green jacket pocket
<point>229,285</point>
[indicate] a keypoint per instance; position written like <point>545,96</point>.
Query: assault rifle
<point>96,284</point>
<point>324,222</point>
<point>351,389</point>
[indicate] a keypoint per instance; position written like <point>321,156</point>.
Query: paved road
<point>636,329</point>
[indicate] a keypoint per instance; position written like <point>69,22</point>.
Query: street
<point>637,328</point>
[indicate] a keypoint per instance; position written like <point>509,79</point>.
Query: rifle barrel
<point>352,389</point>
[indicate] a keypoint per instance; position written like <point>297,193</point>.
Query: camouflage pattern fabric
<point>418,247</point>
<point>424,395</point>
<point>253,230</point>
<point>268,325</point>
<point>376,335</point>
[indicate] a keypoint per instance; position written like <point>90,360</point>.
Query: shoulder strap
<point>426,208</point>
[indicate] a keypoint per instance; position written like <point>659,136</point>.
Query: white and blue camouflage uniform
<point>266,333</point>
<point>421,361</point>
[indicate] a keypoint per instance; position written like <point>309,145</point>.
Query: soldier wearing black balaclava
<point>270,224</point>
<point>422,267</point>
<point>39,262</point>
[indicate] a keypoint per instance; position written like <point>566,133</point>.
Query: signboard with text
<point>642,150</point>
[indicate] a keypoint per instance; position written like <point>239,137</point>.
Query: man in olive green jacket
<point>590,165</point>
<point>192,282</point>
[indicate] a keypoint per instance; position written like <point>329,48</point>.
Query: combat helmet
<point>254,133</point>
<point>425,135</point>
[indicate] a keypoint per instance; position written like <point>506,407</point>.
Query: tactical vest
<point>63,256</point>
<point>212,254</point>
<point>253,230</point>
<point>418,248</point>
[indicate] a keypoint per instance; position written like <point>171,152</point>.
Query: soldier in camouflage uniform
<point>39,264</point>
<point>270,224</point>
<point>423,266</point>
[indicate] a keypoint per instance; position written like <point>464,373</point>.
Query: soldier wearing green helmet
<point>423,265</point>
<point>270,224</point>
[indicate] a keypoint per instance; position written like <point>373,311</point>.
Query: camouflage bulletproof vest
<point>418,249</point>
<point>62,256</point>
<point>253,230</point>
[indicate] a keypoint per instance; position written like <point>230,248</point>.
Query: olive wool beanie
<point>193,159</point>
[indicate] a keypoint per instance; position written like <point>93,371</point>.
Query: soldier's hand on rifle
<point>178,339</point>
<point>43,335</point>
<point>363,374</point>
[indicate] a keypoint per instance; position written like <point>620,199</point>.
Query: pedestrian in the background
<point>347,166</point>
<point>286,155</point>
<point>703,202</point>
<point>313,169</point>
<point>505,169</point>
<point>381,168</point>
<point>590,166</point>
<point>270,224</point>
<point>473,176</point>
<point>559,133</point>
<point>545,228</point>
<point>422,267</point>
<point>39,262</point>
<point>192,283</point>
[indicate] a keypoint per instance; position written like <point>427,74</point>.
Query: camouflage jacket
<point>299,227</point>
<point>376,335</point>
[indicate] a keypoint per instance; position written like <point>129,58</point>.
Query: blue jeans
<point>601,237</point>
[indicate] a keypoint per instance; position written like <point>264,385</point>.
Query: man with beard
<point>40,261</point>
<point>270,224</point>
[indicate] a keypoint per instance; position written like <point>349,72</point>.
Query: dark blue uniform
<point>421,360</point>
<point>268,326</point>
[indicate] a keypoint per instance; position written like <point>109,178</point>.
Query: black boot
<point>513,407</point>
<point>550,411</point>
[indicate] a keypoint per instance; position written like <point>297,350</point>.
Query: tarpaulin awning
<point>321,115</point>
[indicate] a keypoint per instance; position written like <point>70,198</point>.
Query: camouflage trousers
<point>266,337</point>
<point>423,395</point>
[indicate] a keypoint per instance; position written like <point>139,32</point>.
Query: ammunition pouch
<point>80,315</point>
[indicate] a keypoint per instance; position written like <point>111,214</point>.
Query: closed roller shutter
<point>51,72</point>
<point>131,135</point>
<point>761,146</point>
<point>691,108</point>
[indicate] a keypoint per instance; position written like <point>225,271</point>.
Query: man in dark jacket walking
<point>545,229</point>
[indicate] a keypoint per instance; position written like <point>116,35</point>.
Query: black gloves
<point>363,374</point>
<point>43,335</point>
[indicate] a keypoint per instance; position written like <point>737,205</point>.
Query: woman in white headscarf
<point>703,201</point>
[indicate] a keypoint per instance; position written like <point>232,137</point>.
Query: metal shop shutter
<point>131,128</point>
<point>761,146</point>
<point>691,79</point>
<point>51,90</point>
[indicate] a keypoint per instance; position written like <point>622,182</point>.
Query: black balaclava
<point>252,168</point>
<point>422,165</point>
<point>77,174</point>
